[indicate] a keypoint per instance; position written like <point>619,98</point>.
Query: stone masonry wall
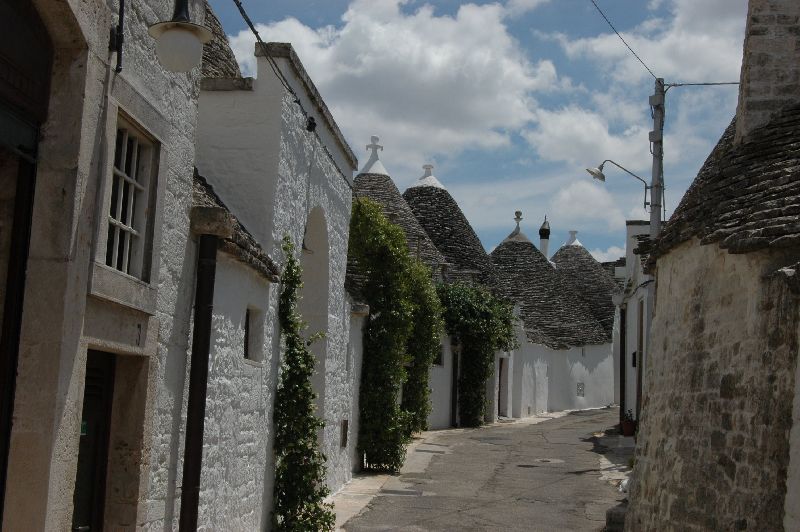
<point>713,446</point>
<point>771,63</point>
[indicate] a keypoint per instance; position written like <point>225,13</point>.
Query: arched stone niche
<point>315,296</point>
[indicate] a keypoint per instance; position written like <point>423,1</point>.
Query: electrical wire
<point>283,81</point>
<point>621,38</point>
<point>270,59</point>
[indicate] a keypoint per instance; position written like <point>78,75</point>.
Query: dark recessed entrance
<point>90,480</point>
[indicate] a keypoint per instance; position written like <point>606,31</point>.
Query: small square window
<point>581,390</point>
<point>132,179</point>
<point>253,344</point>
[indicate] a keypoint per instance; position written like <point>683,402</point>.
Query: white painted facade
<point>240,396</point>
<point>441,386</point>
<point>280,179</point>
<point>548,380</point>
<point>634,301</point>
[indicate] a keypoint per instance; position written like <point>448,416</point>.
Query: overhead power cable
<point>270,59</point>
<point>282,79</point>
<point>622,39</point>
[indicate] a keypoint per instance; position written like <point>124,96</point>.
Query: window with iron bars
<point>134,155</point>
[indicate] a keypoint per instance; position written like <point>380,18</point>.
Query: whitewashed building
<point>632,315</point>
<point>466,261</point>
<point>97,165</point>
<point>283,168</point>
<point>564,360</point>
<point>375,183</point>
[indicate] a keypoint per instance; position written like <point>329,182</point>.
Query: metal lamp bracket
<point>118,36</point>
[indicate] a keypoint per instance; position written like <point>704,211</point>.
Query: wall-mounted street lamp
<point>179,42</point>
<point>598,174</point>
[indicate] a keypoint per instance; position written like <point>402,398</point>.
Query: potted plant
<point>628,424</point>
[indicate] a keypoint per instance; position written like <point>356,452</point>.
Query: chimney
<point>770,79</point>
<point>573,239</point>
<point>544,238</point>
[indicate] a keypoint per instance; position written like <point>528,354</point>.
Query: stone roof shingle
<point>553,313</point>
<point>381,189</point>
<point>592,282</point>
<point>218,58</point>
<point>448,228</point>
<point>746,196</point>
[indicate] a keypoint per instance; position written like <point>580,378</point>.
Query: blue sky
<point>512,99</point>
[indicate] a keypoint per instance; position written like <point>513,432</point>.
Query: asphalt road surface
<point>509,476</point>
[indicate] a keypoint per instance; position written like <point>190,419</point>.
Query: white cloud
<point>585,204</point>
<point>426,84</point>
<point>518,7</point>
<point>701,43</point>
<point>582,138</point>
<point>609,254</point>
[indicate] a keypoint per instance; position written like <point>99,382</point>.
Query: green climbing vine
<point>403,326</point>
<point>481,324</point>
<point>423,345</point>
<point>299,465</point>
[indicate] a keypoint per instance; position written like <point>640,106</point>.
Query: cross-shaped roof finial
<point>374,146</point>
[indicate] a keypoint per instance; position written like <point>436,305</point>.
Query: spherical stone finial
<point>518,218</point>
<point>544,230</point>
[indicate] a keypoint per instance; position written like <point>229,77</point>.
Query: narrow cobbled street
<point>549,476</point>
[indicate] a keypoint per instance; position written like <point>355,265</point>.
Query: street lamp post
<point>656,188</point>
<point>598,174</point>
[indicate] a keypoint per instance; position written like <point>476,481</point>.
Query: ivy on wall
<point>299,465</point>
<point>481,324</point>
<point>423,345</point>
<point>402,330</point>
<point>379,248</point>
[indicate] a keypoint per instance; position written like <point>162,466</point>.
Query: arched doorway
<point>314,301</point>
<point>26,59</point>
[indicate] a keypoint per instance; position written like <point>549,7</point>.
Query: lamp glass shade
<point>597,174</point>
<point>179,48</point>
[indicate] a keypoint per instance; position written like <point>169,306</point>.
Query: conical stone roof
<point>379,187</point>
<point>591,281</point>
<point>218,58</point>
<point>448,228</point>
<point>551,310</point>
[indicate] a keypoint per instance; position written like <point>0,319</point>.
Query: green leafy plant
<point>401,337</point>
<point>300,487</point>
<point>481,324</point>
<point>423,345</point>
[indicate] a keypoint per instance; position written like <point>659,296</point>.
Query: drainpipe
<point>211,223</point>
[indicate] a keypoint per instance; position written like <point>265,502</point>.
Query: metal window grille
<point>127,217</point>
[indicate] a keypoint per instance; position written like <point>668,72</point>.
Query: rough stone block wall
<point>307,171</point>
<point>771,64</point>
<point>239,400</point>
<point>713,446</point>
